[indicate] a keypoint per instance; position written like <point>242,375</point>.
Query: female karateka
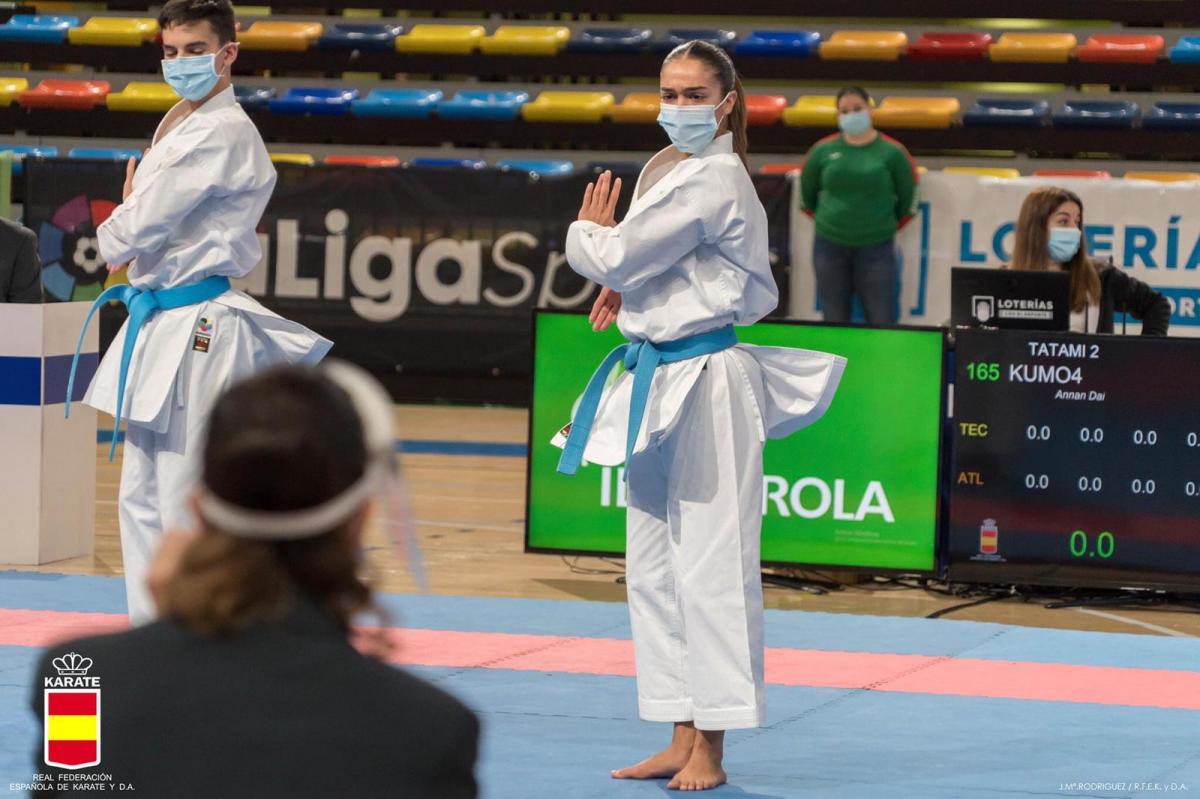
<point>690,415</point>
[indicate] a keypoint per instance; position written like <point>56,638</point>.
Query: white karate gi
<point>689,257</point>
<point>197,197</point>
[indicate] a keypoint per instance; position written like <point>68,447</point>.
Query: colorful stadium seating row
<point>536,166</point>
<point>463,39</point>
<point>593,107</point>
<point>556,166</point>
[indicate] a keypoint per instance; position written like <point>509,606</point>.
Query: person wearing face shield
<point>860,187</point>
<point>689,416</point>
<point>1049,237</point>
<point>186,226</point>
<point>253,682</point>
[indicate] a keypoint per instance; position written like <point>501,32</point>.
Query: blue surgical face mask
<point>1064,243</point>
<point>690,127</point>
<point>192,77</point>
<point>855,123</point>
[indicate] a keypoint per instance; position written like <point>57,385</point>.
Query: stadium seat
<point>10,89</point>
<point>105,153</point>
<point>765,109</point>
<point>310,100</point>
<point>675,37</point>
<point>1035,47</point>
<point>398,103</point>
<point>37,28</point>
<point>253,98</point>
<point>360,36</point>
<point>864,46</point>
<point>537,166</point>
<point>1172,116</point>
<point>1185,51</point>
<point>568,107</point>
<point>362,160</point>
<point>916,112</point>
<point>616,167</point>
<point>1122,49</point>
<point>779,169</point>
<point>447,39</point>
<point>268,35</point>
<point>986,171</point>
<point>525,40</point>
<point>1098,174</point>
<point>812,111</point>
<point>483,105</point>
<point>1097,114</point>
<point>21,152</point>
<point>73,94</point>
<point>636,107</point>
<point>1163,177</point>
<point>1004,112</point>
<point>957,46</point>
<point>429,162</point>
<point>139,96</point>
<point>611,40</point>
<point>299,159</point>
<point>114,31</point>
<point>791,44</point>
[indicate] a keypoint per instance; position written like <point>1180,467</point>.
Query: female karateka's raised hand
<point>600,206</point>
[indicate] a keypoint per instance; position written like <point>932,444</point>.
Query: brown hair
<point>219,14</point>
<point>857,91</point>
<point>1033,239</point>
<point>722,66</point>
<point>285,440</point>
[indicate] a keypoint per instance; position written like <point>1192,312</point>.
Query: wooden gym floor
<point>468,513</point>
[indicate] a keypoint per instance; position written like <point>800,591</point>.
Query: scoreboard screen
<point>1076,461</point>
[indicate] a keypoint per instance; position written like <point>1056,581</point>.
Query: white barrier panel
<point>48,463</point>
<point>1150,230</point>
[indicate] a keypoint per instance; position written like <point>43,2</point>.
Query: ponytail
<point>737,123</point>
<point>721,64</point>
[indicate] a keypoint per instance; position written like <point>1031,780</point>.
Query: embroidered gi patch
<point>204,334</point>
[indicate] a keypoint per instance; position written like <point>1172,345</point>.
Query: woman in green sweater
<point>859,186</point>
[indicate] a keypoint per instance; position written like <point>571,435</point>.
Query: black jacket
<point>1121,293</point>
<point>20,269</point>
<point>282,709</point>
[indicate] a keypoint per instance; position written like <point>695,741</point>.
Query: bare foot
<point>703,770</point>
<point>667,762</point>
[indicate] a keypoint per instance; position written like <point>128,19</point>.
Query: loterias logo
<point>72,714</point>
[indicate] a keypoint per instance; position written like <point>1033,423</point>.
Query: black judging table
<point>1076,460</point>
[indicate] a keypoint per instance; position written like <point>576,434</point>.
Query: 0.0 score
<point>1095,435</point>
<point>1081,547</point>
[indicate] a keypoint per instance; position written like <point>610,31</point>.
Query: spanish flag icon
<point>72,728</point>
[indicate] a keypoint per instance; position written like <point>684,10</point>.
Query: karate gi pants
<point>695,499</point>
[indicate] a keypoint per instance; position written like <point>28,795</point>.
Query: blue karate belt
<point>641,358</point>
<point>142,304</point>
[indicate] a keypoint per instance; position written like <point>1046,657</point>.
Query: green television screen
<point>857,489</point>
